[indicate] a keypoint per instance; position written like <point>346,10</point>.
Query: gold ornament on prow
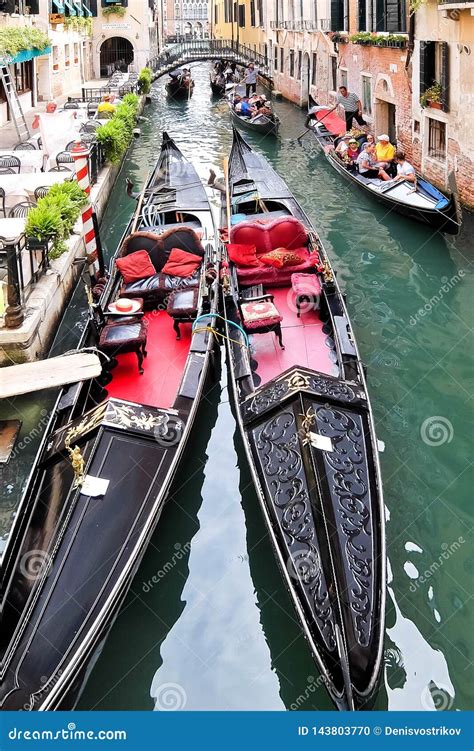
<point>77,461</point>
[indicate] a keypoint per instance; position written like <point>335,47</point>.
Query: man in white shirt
<point>250,80</point>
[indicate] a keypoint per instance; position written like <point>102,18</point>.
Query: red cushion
<point>284,232</point>
<point>181,263</point>
<point>281,257</point>
<point>243,255</point>
<point>135,266</point>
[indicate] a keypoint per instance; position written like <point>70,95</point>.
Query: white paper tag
<point>380,446</point>
<point>321,442</point>
<point>94,486</point>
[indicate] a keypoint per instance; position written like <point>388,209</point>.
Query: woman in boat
<point>367,164</point>
<point>384,151</point>
<point>405,170</point>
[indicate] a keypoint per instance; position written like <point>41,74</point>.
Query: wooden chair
<point>120,334</point>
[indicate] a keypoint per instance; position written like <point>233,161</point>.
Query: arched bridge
<point>208,49</point>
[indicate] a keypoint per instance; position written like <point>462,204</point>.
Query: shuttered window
<point>292,63</point>
<point>384,15</point>
<point>362,15</point>
<point>337,15</point>
<point>436,139</point>
<point>434,68</point>
<point>275,62</point>
<point>314,73</point>
<point>252,13</point>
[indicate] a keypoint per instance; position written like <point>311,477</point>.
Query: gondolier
<point>351,105</point>
<point>250,80</point>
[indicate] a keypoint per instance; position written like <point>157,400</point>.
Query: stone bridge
<point>208,49</point>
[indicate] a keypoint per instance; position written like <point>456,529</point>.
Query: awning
<point>59,6</point>
<point>70,7</point>
<point>25,55</point>
<point>86,10</point>
<point>78,5</point>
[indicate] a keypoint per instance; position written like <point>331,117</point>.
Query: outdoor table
<point>12,229</point>
<point>22,188</point>
<point>30,161</point>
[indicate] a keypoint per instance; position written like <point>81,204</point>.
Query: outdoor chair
<point>21,210</point>
<point>60,168</point>
<point>64,157</point>
<point>41,191</point>
<point>7,171</point>
<point>24,146</point>
<point>71,106</point>
<point>11,162</point>
<point>2,202</point>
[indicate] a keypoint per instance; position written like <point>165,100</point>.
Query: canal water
<point>207,623</point>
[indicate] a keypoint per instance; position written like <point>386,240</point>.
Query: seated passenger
<point>368,166</point>
<point>106,105</point>
<point>405,170</point>
<point>343,144</point>
<point>369,139</point>
<point>352,151</point>
<point>384,151</point>
<point>246,110</point>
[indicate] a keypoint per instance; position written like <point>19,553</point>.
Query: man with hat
<point>106,105</point>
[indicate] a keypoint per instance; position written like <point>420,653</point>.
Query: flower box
<point>434,105</point>
<point>55,66</point>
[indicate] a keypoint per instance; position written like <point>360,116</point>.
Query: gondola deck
<point>74,548</point>
<point>308,431</point>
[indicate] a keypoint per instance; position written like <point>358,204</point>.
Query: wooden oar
<point>319,121</point>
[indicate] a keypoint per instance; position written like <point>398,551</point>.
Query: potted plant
<point>432,97</point>
<point>117,10</point>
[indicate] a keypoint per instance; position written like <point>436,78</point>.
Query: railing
<point>24,263</point>
<point>295,25</point>
<point>96,94</point>
<point>207,49</point>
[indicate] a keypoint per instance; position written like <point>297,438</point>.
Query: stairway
<point>16,112</point>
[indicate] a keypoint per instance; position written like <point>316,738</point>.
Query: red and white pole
<point>80,154</point>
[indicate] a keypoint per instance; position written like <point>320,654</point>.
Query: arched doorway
<point>198,30</point>
<point>115,53</point>
<point>305,80</point>
<point>188,30</point>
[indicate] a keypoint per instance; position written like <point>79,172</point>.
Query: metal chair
<point>92,109</point>
<point>60,169</point>
<point>21,209</point>
<point>71,106</point>
<point>2,202</point>
<point>64,157</point>
<point>12,162</point>
<point>87,138</point>
<point>7,171</point>
<point>41,191</point>
<point>24,146</point>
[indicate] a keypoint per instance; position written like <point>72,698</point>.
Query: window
<point>76,53</point>
<point>291,9</point>
<point>314,73</point>
<point>282,60</point>
<point>333,73</point>
<point>22,73</point>
<point>343,77</point>
<point>339,15</point>
<point>367,95</point>
<point>299,66</point>
<point>66,55</point>
<point>275,59</point>
<point>416,126</point>
<point>436,139</point>
<point>385,15</point>
<point>362,15</point>
<point>55,57</point>
<point>260,12</point>
<point>292,63</point>
<point>216,14</point>
<point>434,68</point>
<point>242,16</point>
<point>252,13</point>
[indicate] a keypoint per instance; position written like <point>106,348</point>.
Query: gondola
<point>218,89</point>
<point>179,85</point>
<point>426,204</point>
<point>306,421</point>
<point>111,450</point>
<point>266,126</point>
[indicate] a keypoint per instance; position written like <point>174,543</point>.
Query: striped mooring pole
<point>80,155</point>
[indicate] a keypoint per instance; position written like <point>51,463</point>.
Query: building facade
<point>89,39</point>
<point>187,19</point>
<point>391,57</point>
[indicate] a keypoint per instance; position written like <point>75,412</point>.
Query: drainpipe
<point>411,39</point>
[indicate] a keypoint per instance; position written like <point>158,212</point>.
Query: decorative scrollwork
<point>278,448</point>
<point>348,478</point>
<point>165,426</point>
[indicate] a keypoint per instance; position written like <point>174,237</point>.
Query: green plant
<point>13,41</point>
<point>380,40</point>
<point>432,94</point>
<point>79,23</point>
<point>144,80</point>
<point>55,215</point>
<point>116,133</point>
<point>117,10</point>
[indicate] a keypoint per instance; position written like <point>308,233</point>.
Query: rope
<point>216,333</point>
<point>226,320</point>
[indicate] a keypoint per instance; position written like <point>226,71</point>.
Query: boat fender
<point>136,132</point>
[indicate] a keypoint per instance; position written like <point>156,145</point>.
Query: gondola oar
<point>310,129</point>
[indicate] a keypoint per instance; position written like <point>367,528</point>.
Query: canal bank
<point>218,631</point>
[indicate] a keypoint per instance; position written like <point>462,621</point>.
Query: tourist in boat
<point>245,109</point>
<point>384,151</point>
<point>351,105</point>
<point>369,139</point>
<point>250,80</point>
<point>367,164</point>
<point>352,151</point>
<point>405,170</point>
<point>343,144</point>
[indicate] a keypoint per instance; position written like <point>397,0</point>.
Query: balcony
<point>295,25</point>
<point>453,9</point>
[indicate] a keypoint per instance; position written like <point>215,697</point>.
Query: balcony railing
<point>295,25</point>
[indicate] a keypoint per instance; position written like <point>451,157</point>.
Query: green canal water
<point>207,623</point>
